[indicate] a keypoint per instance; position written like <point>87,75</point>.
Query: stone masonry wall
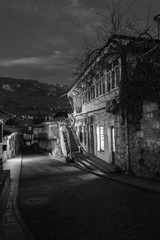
<point>121,150</point>
<point>145,144</point>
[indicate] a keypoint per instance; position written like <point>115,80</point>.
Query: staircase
<point>73,143</point>
<point>70,144</point>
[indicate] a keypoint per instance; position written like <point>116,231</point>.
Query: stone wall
<point>141,154</point>
<point>121,147</point>
<point>145,144</point>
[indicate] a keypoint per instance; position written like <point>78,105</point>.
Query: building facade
<point>12,141</point>
<point>95,101</point>
<point>46,135</point>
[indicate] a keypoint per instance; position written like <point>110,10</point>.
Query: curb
<point>18,216</point>
<point>21,221</point>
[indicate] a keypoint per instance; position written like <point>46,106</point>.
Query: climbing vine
<point>140,83</point>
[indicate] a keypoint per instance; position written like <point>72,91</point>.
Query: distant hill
<point>19,96</point>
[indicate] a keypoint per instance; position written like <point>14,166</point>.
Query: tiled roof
<point>7,130</point>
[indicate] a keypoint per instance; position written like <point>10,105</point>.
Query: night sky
<point>40,38</point>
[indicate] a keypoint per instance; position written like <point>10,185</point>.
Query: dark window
<point>97,89</point>
<point>100,87</point>
<point>109,82</point>
<point>89,94</point>
<point>93,87</point>
<point>113,80</point>
<point>103,85</point>
<point>84,134</point>
<point>117,75</point>
<point>83,98</point>
<point>80,134</point>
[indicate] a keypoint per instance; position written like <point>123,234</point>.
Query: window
<point>109,81</point>
<point>113,80</point>
<point>83,98</point>
<point>96,88</point>
<point>84,134</point>
<point>100,87</point>
<point>113,75</point>
<point>92,92</point>
<point>113,139</point>
<point>117,75</point>
<point>89,94</point>
<point>80,134</point>
<point>103,85</point>
<point>100,138</point>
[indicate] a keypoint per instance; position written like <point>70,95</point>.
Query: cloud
<point>52,10</point>
<point>75,3</point>
<point>21,61</point>
<point>58,60</point>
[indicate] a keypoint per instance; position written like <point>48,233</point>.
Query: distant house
<point>4,116</point>
<point>27,130</point>
<point>11,141</point>
<point>46,134</point>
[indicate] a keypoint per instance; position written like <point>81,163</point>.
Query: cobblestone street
<point>58,201</point>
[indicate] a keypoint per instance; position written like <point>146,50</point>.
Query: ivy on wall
<point>139,84</point>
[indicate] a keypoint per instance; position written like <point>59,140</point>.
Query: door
<point>91,139</point>
<point>113,144</point>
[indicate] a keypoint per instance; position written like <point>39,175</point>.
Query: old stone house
<point>97,115</point>
<point>46,135</point>
<point>12,141</point>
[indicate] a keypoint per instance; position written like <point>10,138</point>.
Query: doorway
<point>91,138</point>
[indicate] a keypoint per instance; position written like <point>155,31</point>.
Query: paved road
<point>61,202</point>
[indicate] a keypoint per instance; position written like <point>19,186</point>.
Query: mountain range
<point>20,96</point>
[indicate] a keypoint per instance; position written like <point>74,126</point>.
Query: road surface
<point>61,202</point>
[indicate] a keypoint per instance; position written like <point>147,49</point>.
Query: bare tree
<point>114,21</point>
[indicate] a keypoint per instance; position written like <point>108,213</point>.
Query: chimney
<point>157,19</point>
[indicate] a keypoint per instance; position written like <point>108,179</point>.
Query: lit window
<point>113,139</point>
<point>100,138</point>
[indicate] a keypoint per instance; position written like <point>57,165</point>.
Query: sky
<point>39,39</point>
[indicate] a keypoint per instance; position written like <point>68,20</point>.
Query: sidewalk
<point>12,226</point>
<point>101,168</point>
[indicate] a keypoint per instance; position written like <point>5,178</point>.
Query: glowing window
<point>100,138</point>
